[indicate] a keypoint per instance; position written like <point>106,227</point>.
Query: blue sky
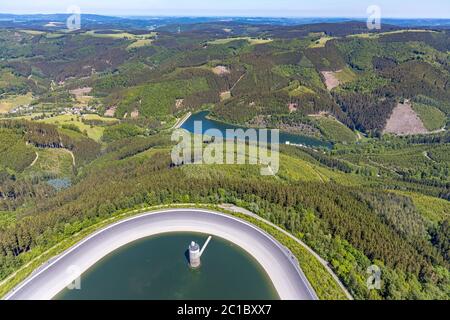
<point>273,8</point>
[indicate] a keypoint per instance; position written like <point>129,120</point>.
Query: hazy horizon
<point>401,9</point>
<point>131,16</point>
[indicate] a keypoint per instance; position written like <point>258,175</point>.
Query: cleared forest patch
<point>81,92</point>
<point>404,121</point>
<point>221,70</point>
<point>331,79</point>
<point>334,79</point>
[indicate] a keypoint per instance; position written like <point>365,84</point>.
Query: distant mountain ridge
<point>153,22</point>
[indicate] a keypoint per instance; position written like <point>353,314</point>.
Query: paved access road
<point>277,261</point>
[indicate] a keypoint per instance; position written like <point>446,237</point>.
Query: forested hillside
<point>243,77</point>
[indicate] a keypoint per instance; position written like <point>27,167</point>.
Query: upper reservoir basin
<point>157,268</point>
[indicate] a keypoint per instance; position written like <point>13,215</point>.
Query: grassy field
<point>334,130</point>
<point>139,40</point>
<point>346,75</point>
<point>290,169</point>
<point>299,170</point>
<point>321,42</point>
<point>297,90</point>
<point>83,101</point>
<point>55,163</point>
<point>433,209</point>
<point>12,102</point>
<point>432,118</point>
<point>122,35</point>
<point>140,43</point>
<point>9,81</point>
<point>305,169</point>
<point>252,41</point>
<point>377,35</point>
<point>93,132</point>
<point>7,218</point>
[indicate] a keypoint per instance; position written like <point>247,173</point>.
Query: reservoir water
<point>284,136</point>
<point>156,268</point>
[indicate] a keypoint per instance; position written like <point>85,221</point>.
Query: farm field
<point>6,104</point>
<point>251,41</point>
<point>94,132</point>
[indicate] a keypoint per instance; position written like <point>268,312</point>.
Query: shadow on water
<point>186,255</point>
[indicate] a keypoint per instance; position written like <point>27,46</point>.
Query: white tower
<point>195,253</point>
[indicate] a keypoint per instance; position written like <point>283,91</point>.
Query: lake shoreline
<point>285,137</point>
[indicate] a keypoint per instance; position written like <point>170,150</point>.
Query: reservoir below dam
<point>285,137</point>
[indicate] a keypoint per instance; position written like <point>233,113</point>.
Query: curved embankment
<point>280,265</point>
<point>180,122</point>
